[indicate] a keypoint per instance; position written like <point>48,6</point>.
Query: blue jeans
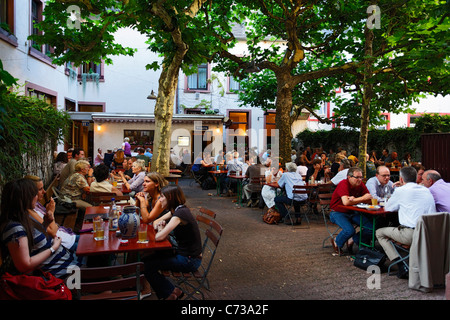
<point>282,200</point>
<point>162,261</point>
<point>346,221</point>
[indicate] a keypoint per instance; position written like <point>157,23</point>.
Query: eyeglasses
<point>358,177</point>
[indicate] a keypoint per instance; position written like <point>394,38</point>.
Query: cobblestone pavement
<point>257,261</point>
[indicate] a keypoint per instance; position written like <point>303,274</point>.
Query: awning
<point>150,118</point>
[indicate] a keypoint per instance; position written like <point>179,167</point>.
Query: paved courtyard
<point>256,261</point>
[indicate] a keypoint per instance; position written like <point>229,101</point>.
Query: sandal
<point>337,250</point>
<point>176,294</point>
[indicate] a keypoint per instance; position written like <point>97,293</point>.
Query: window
<point>70,105</point>
<point>412,120</point>
<point>199,80</point>
<point>270,127</point>
<point>91,71</point>
<point>234,86</point>
<point>239,122</point>
<point>7,15</point>
<point>140,138</point>
<point>41,93</point>
<point>237,137</point>
<point>90,107</point>
<point>387,126</point>
<point>38,51</point>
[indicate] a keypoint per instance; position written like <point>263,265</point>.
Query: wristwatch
<point>52,250</point>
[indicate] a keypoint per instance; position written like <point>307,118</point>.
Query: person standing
<point>126,147</point>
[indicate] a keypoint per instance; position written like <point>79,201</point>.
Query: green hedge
<point>401,140</point>
<point>29,131</point>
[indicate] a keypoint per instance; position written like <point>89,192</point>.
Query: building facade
<point>110,102</point>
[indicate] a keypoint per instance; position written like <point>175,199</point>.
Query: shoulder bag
<point>272,216</point>
<point>38,286</point>
<point>367,257</point>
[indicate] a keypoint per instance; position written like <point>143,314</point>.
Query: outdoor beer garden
<point>205,205</point>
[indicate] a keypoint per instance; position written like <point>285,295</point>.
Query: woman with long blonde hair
<point>147,200</point>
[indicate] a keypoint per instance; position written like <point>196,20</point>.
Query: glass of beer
<point>142,234</point>
<point>374,201</point>
<point>99,230</point>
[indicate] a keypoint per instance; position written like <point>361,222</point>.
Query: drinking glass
<point>142,234</point>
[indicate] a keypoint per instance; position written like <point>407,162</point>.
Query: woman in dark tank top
<point>186,257</point>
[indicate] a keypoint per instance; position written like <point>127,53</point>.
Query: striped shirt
<point>56,264</point>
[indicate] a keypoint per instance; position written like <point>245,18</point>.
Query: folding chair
<point>208,212</point>
<point>400,248</point>
<point>196,178</point>
<point>332,229</point>
<point>96,283</point>
<point>192,283</point>
<point>299,189</point>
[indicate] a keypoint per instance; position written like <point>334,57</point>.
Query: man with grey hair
<point>288,180</point>
<point>411,201</point>
<point>438,188</point>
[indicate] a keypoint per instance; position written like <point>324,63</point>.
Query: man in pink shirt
<point>438,188</point>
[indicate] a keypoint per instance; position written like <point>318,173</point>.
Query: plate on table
<point>368,206</point>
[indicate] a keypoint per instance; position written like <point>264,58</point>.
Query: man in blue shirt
<point>288,180</point>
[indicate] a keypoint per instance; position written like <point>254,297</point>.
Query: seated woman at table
<point>78,184</point>
<point>187,257</point>
<point>25,245</point>
<point>101,183</point>
<point>68,237</point>
<point>135,184</point>
<point>269,193</point>
<point>147,200</point>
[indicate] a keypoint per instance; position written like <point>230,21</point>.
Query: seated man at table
<point>439,189</point>
<point>349,192</point>
<point>344,165</point>
<point>101,183</point>
<point>380,186</point>
<point>233,166</point>
<point>254,171</point>
<point>411,201</point>
<point>288,180</point>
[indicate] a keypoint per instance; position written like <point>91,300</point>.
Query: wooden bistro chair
<point>292,215</point>
<point>192,283</point>
<point>125,282</point>
<point>100,198</point>
<point>332,229</point>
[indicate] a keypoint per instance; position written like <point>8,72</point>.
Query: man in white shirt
<point>411,201</point>
<point>342,173</point>
<point>380,185</point>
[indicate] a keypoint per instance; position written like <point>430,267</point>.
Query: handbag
<point>272,216</point>
<point>367,257</point>
<point>40,285</point>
